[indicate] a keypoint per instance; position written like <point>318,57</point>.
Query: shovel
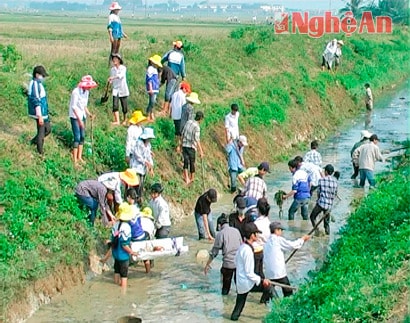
<point>104,98</point>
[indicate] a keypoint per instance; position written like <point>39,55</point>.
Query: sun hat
<point>115,6</point>
<point>137,117</point>
<point>156,188</point>
<point>147,213</point>
<point>365,134</point>
<point>87,82</point>
<point>329,169</point>
<point>178,44</point>
<point>148,133</point>
<point>156,59</point>
<point>243,140</point>
<point>185,86</point>
<point>250,228</point>
<point>334,40</point>
<point>265,166</point>
<point>118,56</point>
<point>129,176</point>
<point>125,212</point>
<point>212,195</point>
<point>275,225</point>
<point>340,42</point>
<point>39,69</point>
<point>193,98</point>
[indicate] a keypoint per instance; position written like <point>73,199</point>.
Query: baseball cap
<point>243,140</point>
<point>275,225</point>
<point>240,202</point>
<point>264,165</point>
<point>250,228</point>
<point>212,195</point>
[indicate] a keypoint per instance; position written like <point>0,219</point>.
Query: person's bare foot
<point>115,123</point>
<point>124,123</point>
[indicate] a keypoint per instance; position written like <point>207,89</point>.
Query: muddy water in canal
<point>177,290</point>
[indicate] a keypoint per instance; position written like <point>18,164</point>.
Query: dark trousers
<point>227,274</point>
<point>267,293</point>
<point>315,212</point>
<point>355,171</point>
<point>42,132</point>
<point>285,280</point>
<point>258,256</point>
<point>189,155</point>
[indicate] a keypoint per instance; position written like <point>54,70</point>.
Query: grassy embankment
<point>285,102</point>
<point>366,275</point>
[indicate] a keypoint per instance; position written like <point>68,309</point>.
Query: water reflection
<point>176,290</point>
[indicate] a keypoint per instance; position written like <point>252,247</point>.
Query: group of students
<point>253,252</point>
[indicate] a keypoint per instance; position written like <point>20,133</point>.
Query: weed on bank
<point>366,272</point>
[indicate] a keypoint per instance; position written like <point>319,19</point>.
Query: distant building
<point>273,8</point>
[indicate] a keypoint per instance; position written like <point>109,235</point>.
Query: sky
<point>292,4</point>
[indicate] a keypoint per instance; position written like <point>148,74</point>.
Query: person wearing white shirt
<point>246,279</point>
<point>232,124</point>
<point>274,258</point>
<point>262,222</point>
<point>177,101</point>
<point>78,112</point>
<point>120,92</point>
<point>133,133</point>
<point>160,210</point>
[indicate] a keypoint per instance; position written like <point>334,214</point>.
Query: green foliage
<point>152,39</point>
<point>251,48</point>
<point>359,281</point>
<point>10,57</point>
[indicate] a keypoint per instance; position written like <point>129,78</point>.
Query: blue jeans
<point>366,174</point>
<point>78,133</point>
<point>151,102</point>
<point>92,205</point>
<point>201,227</point>
<point>303,204</point>
<point>233,174</point>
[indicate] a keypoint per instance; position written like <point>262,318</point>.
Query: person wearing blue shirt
<point>300,191</point>
<point>176,60</point>
<point>38,107</point>
<point>236,163</point>
<point>114,28</point>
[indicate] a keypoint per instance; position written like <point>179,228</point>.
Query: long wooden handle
<point>310,232</point>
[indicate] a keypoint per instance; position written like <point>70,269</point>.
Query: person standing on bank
<point>170,80</point>
<point>365,135</point>
<point>326,192</point>
<point>190,144</point>
<point>236,163</point>
<point>120,92</point>
<point>179,100</point>
<point>152,84</point>
<point>134,131</point>
<point>160,210</point>
<point>78,112</point>
<point>228,240</point>
<point>203,215</point>
<point>366,156</point>
<point>38,107</point>
<point>114,28</point>
<point>142,157</point>
<point>274,258</point>
<point>175,59</point>
<point>232,124</point>
<point>246,279</point>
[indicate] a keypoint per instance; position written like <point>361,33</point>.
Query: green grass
<point>366,272</point>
